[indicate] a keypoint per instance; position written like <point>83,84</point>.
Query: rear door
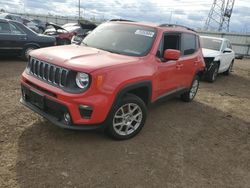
<point>18,35</point>
<point>12,38</point>
<point>189,60</point>
<point>6,40</point>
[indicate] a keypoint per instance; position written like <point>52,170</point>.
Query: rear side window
<point>15,29</point>
<point>224,46</point>
<point>4,28</point>
<point>188,44</point>
<point>229,45</point>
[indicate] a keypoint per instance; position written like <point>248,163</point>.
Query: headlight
<point>82,80</point>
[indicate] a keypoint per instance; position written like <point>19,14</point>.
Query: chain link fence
<point>240,41</point>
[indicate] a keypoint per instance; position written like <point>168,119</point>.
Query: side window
<point>4,28</point>
<point>224,46</point>
<point>15,29</point>
<point>169,41</point>
<point>197,42</point>
<point>229,45</point>
<point>8,17</point>
<point>188,44</point>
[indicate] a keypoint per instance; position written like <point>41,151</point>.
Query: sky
<point>186,12</point>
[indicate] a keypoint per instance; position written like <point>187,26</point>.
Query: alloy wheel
<point>127,119</point>
<point>194,89</point>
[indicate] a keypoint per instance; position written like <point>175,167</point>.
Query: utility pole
<point>224,25</point>
<point>79,11</point>
<point>219,15</point>
<point>170,17</point>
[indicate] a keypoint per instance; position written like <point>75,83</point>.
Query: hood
<point>81,58</point>
<point>57,27</point>
<point>210,53</point>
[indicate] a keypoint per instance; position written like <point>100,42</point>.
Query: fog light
<point>85,111</point>
<point>85,107</point>
<point>67,118</point>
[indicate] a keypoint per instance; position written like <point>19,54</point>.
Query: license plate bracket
<point>37,99</point>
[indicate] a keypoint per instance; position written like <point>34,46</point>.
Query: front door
<point>168,77</point>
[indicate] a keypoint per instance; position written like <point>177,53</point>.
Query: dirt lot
<point>205,143</point>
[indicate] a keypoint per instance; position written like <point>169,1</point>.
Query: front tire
<point>127,118</point>
<point>189,95</point>
<point>212,74</point>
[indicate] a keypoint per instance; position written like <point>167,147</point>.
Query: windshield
<point>119,38</point>
<point>210,43</point>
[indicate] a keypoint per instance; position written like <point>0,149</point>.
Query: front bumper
<point>53,111</point>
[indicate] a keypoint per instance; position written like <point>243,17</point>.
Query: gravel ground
<point>205,143</point>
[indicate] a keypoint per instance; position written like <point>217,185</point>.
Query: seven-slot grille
<point>48,72</point>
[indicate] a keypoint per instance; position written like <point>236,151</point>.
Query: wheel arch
<point>142,89</point>
<point>218,62</point>
<point>31,44</point>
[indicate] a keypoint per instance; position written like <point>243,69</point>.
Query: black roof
<point>176,25</point>
<point>121,20</point>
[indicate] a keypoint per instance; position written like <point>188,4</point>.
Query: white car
<point>218,55</point>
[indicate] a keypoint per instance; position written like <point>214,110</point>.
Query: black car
<point>40,24</point>
<point>16,38</point>
<point>86,28</point>
<point>20,19</point>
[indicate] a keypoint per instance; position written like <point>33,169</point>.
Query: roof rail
<point>120,20</point>
<point>176,25</point>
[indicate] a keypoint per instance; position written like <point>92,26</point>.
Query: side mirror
<point>227,50</point>
<point>171,54</point>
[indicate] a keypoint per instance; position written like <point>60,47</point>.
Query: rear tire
<point>189,95</point>
<point>127,118</point>
<point>212,74</point>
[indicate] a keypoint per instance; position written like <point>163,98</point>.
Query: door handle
<point>23,38</point>
<point>179,66</point>
<point>196,62</point>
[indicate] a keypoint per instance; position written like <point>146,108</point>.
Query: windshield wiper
<point>85,43</point>
<point>111,51</point>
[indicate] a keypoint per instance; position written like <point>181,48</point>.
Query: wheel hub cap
<point>127,119</point>
<point>194,89</point>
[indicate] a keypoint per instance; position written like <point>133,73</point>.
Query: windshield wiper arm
<point>85,44</point>
<point>111,51</point>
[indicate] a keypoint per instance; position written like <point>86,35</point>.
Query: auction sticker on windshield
<point>144,33</point>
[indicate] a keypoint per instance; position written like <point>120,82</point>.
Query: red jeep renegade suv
<point>110,79</point>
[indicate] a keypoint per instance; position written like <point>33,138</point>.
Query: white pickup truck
<point>218,55</point>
